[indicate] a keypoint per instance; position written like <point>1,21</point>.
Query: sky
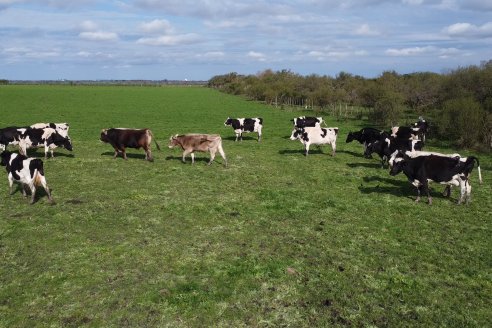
<point>198,39</point>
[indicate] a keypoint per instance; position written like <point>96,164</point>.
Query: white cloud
<point>99,36</point>
<point>161,26</point>
<point>257,55</point>
<point>366,30</point>
<point>412,51</point>
<point>170,40</point>
<point>469,30</point>
<point>88,25</point>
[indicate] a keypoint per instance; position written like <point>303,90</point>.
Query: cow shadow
<point>398,188</point>
<point>350,153</point>
<point>188,159</point>
<point>367,165</point>
<point>55,154</point>
<point>302,151</point>
<point>40,192</point>
<point>233,138</point>
<point>128,155</point>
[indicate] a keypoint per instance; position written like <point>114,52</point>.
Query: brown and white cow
<point>190,143</point>
<point>122,138</point>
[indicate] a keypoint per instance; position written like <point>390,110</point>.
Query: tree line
<point>458,103</point>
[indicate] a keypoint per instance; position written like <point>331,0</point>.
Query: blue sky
<point>195,40</point>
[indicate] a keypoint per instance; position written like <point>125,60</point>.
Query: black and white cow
<point>28,172</point>
<point>316,136</point>
<point>48,138</point>
<point>245,125</point>
<point>415,154</point>
<point>405,132</point>
<point>307,121</point>
<point>366,136</point>
<point>444,170</point>
<point>385,147</point>
<point>11,136</point>
<point>61,128</point>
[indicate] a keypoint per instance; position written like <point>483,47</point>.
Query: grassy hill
<point>275,239</point>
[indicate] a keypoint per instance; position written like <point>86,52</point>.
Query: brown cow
<point>198,142</point>
<point>122,138</point>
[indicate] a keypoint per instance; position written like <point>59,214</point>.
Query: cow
<point>61,128</point>
<point>423,127</point>
<point>245,125</point>
<point>190,143</point>
<point>387,146</point>
<point>316,136</point>
<point>307,121</point>
<point>366,136</point>
<point>414,154</point>
<point>11,136</point>
<point>26,171</point>
<point>47,137</point>
<point>444,170</point>
<point>122,138</point>
<point>405,132</point>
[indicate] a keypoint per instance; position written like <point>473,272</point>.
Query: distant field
<point>275,239</point>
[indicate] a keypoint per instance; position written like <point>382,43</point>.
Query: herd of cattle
<point>400,148</point>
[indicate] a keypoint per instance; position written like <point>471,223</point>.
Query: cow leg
<point>11,183</point>
<point>45,186</point>
<point>24,191</point>
<point>425,187</point>
<point>447,191</point>
<point>192,158</point>
<point>33,194</point>
<point>241,136</point>
<point>212,155</point>
<point>333,148</point>
<point>468,192</point>
<point>185,153</point>
<point>462,191</point>
<point>148,154</point>
<point>306,150</point>
<point>123,152</point>
<point>237,136</point>
<point>115,153</point>
<point>221,152</point>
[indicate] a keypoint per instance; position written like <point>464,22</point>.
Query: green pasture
<point>275,239</point>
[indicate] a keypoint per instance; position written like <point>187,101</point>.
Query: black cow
<point>423,127</point>
<point>445,170</point>
<point>48,138</point>
<point>385,147</point>
<point>28,172</point>
<point>11,136</point>
<point>306,121</point>
<point>366,136</point>
<point>122,138</point>
<point>245,125</point>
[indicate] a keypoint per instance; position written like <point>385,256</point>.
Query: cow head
<point>228,121</point>
<point>104,135</point>
<point>173,141</point>
<point>398,166</point>
<point>350,137</point>
<point>60,140</point>
<point>296,134</point>
<point>5,157</point>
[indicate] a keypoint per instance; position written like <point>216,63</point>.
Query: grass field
<point>275,239</point>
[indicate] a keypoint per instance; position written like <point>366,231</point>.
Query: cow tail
<point>479,171</point>
<point>39,173</point>
<point>155,140</point>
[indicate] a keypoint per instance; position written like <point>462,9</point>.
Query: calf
<point>190,143</point>
<point>122,138</point>
<point>445,170</point>
<point>28,172</point>
<point>316,136</point>
<point>387,146</point>
<point>47,137</point>
<point>245,125</point>
<point>307,121</point>
<point>61,128</point>
<point>10,136</point>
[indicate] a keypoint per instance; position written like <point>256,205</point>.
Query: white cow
<point>316,136</point>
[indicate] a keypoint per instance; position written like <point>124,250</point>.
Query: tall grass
<point>275,239</point>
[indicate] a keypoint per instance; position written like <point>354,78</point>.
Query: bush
<point>463,121</point>
<point>387,111</point>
